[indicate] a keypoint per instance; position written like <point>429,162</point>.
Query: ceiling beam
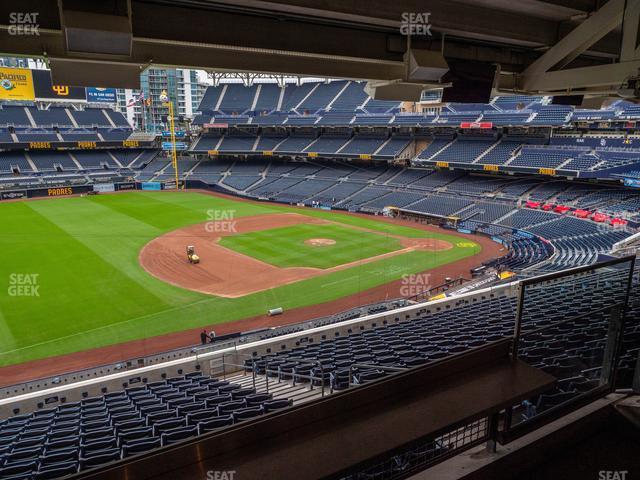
<point>577,41</point>
<point>629,47</point>
<point>572,79</point>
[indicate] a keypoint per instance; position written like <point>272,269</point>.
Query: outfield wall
<point>63,191</point>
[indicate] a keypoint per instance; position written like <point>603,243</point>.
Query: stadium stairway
<point>285,389</point>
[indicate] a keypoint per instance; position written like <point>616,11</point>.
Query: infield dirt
<point>226,273</point>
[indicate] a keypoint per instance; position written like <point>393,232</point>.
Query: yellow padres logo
<point>61,90</point>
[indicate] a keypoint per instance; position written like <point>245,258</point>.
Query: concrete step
<point>299,393</point>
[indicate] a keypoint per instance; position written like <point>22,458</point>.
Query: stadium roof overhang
<point>537,46</point>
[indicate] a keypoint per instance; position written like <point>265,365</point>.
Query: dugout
<point>422,217</point>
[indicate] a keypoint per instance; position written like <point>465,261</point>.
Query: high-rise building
<point>143,107</point>
<point>23,62</point>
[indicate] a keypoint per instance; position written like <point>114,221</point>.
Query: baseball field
<point>85,272</point>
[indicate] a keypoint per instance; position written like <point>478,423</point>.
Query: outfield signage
<point>104,187</point>
<point>126,186</point>
<point>45,192</point>
<point>15,195</point>
<point>45,89</point>
<point>151,186</point>
<point>102,95</point>
<point>16,84</point>
<point>26,84</point>
<point>35,145</point>
<point>59,191</point>
<point>171,185</point>
<point>476,125</point>
<point>178,133</point>
<point>168,146</point>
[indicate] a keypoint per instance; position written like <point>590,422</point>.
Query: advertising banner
<point>15,195</point>
<point>16,84</point>
<point>59,191</point>
<point>179,133</point>
<point>102,95</point>
<point>476,125</point>
<point>171,185</point>
<point>104,187</point>
<point>168,146</point>
<point>45,192</point>
<point>126,186</point>
<point>632,182</point>
<point>45,90</point>
<point>151,186</point>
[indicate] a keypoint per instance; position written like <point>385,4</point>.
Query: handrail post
<point>253,372</point>
<point>322,375</point>
<point>518,325</point>
<point>492,433</point>
<point>224,370</point>
<point>636,377</point>
<point>612,347</point>
<point>266,374</point>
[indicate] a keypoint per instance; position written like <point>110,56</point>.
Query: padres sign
<point>59,192</point>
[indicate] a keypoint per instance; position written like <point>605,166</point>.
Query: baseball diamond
<point>130,247</point>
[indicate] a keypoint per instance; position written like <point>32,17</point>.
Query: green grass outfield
<point>82,254</point>
<point>286,247</point>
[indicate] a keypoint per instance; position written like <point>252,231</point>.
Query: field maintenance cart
<point>191,254</point>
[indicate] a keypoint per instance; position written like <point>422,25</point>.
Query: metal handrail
<point>442,287</point>
<point>522,284</point>
<point>615,322</point>
<point>572,319</point>
<point>311,378</point>
<point>253,364</point>
<point>372,366</point>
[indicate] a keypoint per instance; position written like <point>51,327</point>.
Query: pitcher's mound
<point>320,242</point>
